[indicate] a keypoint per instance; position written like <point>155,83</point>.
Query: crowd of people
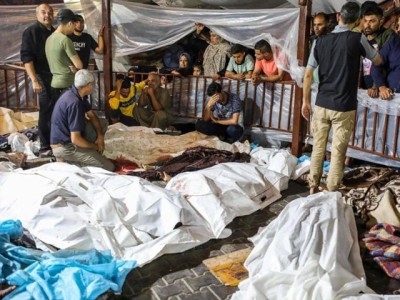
<point>56,60</point>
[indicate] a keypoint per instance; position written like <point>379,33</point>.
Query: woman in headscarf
<point>216,56</point>
<point>185,66</point>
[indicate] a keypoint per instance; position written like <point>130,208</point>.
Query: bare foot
<point>314,190</point>
<point>166,177</point>
<point>7,291</point>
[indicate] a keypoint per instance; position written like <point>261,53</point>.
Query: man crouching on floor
<point>221,114</point>
<point>74,140</point>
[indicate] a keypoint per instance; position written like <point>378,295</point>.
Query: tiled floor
<point>184,276</point>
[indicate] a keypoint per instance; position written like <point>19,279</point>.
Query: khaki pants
<point>342,124</point>
<point>83,157</point>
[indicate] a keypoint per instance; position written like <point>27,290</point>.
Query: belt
<point>56,145</point>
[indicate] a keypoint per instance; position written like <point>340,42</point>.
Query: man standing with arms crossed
<point>33,57</point>
<point>338,57</point>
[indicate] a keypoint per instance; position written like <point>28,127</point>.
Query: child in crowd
<point>197,70</point>
<point>241,64</point>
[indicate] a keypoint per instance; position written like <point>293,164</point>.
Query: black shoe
<point>46,153</point>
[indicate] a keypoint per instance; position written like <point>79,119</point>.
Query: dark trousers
<point>233,132</point>
<point>45,110</point>
<point>47,100</point>
<point>115,114</point>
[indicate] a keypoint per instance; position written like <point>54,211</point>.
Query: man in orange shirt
<point>265,68</point>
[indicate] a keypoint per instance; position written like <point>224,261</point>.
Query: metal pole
<point>302,55</point>
<point>107,56</point>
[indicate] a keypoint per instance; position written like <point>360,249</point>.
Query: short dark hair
<point>263,46</point>
<point>366,6</point>
<point>322,15</point>
<point>79,18</point>
<point>374,11</point>
<point>120,76</point>
<point>237,48</point>
<point>126,83</point>
<point>213,88</point>
<point>200,66</point>
<point>350,12</point>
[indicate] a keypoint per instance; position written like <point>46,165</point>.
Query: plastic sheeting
<point>389,107</point>
<point>310,251</point>
<point>61,275</point>
<point>139,28</point>
<point>14,21</point>
<point>189,97</point>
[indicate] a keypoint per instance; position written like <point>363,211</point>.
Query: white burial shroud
<point>309,252</point>
<point>85,208</point>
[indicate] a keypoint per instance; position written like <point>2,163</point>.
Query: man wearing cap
<point>34,59</point>
<point>123,101</point>
<point>84,42</point>
<point>72,139</point>
<point>61,55</point>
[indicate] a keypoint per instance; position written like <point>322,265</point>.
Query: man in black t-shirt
<point>33,57</point>
<point>84,42</point>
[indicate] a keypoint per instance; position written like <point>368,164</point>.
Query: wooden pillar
<point>107,56</point>
<point>299,124</point>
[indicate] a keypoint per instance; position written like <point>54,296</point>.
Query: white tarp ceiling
<point>138,27</point>
<point>328,6</point>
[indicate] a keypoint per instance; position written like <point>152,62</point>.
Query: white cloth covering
<point>279,160</point>
<point>222,192</point>
<point>143,146</point>
<point>310,251</point>
<point>373,297</point>
<point>84,208</point>
<point>11,121</point>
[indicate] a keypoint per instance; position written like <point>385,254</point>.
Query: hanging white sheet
<point>139,28</point>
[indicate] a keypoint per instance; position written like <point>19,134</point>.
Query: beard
<point>78,30</point>
<point>370,31</point>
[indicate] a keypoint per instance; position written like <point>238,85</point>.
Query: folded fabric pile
<point>383,243</point>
